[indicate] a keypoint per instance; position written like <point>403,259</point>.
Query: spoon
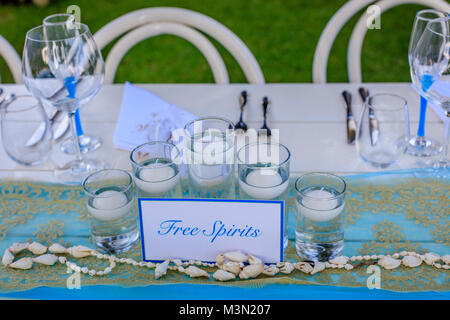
<point>242,102</point>
<point>265,105</point>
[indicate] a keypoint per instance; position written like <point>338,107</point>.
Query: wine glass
<point>63,67</point>
<point>430,69</point>
<point>420,145</point>
<point>87,143</point>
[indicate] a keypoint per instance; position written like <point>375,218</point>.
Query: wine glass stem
<point>73,128</point>
<point>423,112</point>
<point>444,155</point>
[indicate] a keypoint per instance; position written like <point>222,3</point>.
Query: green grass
<point>282,34</point>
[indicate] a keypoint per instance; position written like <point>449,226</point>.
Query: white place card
<point>201,229</point>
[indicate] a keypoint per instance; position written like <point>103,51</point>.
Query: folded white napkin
<point>144,117</point>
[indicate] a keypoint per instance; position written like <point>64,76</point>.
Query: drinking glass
<point>112,210</point>
<point>319,229</point>
<point>392,114</point>
<point>420,145</point>
<point>210,151</point>
<point>263,170</point>
<point>20,119</point>
<point>430,70</point>
<point>87,143</point>
<point>63,67</point>
<point>155,169</point>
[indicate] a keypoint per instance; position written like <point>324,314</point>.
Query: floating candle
<point>320,205</point>
<point>263,184</point>
<point>110,205</point>
<point>157,179</point>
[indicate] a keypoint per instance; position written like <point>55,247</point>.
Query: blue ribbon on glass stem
<point>70,83</point>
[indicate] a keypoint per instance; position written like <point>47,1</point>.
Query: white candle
<point>316,207</point>
<point>157,179</point>
<point>110,205</point>
<point>208,158</point>
<point>264,184</point>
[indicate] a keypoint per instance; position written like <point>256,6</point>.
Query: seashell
<point>195,272</point>
<point>233,267</point>
<point>348,267</point>
<point>318,266</point>
<point>24,263</point>
<point>339,260</point>
<point>177,262</point>
<point>287,268</point>
<point>271,270</point>
<point>220,259</point>
<point>8,258</point>
<point>253,259</point>
<point>411,261</point>
<point>47,259</point>
<point>57,248</point>
<point>304,267</point>
<point>236,256</point>
<point>431,257</point>
<point>80,251</point>
<point>222,275</point>
<point>389,263</point>
<point>161,269</point>
<point>251,271</point>
<point>18,246</point>
<point>446,259</point>
<point>37,248</point>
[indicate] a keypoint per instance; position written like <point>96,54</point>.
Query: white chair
<point>355,45</point>
<point>146,23</point>
<point>12,59</point>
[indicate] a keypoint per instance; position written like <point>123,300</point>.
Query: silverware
<point>351,124</point>
<point>62,128</point>
<point>242,102</point>
<point>9,98</point>
<point>265,129</point>
<point>38,134</point>
<point>373,122</point>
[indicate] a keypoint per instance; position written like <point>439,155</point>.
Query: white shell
<point>251,271</point>
<point>18,246</point>
<point>57,248</point>
<point>339,260</point>
<point>37,248</point>
<point>222,275</point>
<point>220,259</point>
<point>431,257</point>
<point>304,267</point>
<point>446,259</point>
<point>8,257</point>
<point>195,272</point>
<point>348,267</point>
<point>253,259</point>
<point>233,267</point>
<point>411,261</point>
<point>287,268</point>
<point>47,259</point>
<point>79,251</point>
<point>271,270</point>
<point>236,256</point>
<point>389,263</point>
<point>318,266</point>
<point>161,269</point>
<point>24,263</point>
<point>177,262</point>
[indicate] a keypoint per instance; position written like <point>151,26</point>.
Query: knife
<point>351,124</point>
<point>373,122</point>
<point>38,134</point>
